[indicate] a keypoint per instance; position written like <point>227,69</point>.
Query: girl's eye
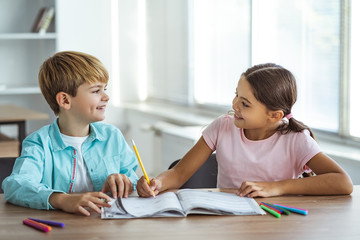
<point>244,104</point>
<point>96,91</point>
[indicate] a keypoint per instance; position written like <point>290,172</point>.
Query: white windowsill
<point>191,116</point>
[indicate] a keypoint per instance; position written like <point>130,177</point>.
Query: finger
<point>127,186</point>
<point>93,206</point>
<point>141,191</point>
<point>102,200</point>
<point>245,191</point>
<point>254,194</point>
<point>120,186</point>
<point>113,188</point>
<point>83,211</point>
<point>105,187</point>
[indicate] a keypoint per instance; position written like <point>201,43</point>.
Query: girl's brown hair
<point>275,87</point>
<point>66,71</point>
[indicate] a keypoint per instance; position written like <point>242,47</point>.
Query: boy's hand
<point>259,189</point>
<point>143,188</point>
<point>78,202</point>
<point>118,184</point>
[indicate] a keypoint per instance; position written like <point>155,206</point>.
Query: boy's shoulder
<point>102,129</point>
<point>103,125</point>
<point>42,132</point>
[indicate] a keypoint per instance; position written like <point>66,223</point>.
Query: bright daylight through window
<point>301,35</point>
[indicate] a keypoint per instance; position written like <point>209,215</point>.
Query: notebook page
<point>217,203</point>
<point>146,207</point>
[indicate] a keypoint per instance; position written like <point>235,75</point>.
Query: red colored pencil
<point>37,225</point>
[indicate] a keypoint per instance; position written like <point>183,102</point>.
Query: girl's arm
<point>330,179</point>
<point>177,176</point>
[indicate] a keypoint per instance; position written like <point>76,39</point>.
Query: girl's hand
<point>78,203</point>
<point>118,184</point>
<point>259,189</point>
<point>144,190</point>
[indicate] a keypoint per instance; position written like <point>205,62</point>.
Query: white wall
<point>87,26</point>
<point>167,49</point>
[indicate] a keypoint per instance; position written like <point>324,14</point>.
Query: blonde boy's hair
<point>66,71</point>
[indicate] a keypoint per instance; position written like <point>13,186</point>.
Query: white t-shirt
<point>83,182</point>
<point>279,157</point>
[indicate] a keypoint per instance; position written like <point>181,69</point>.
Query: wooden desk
<point>15,115</point>
<point>330,217</point>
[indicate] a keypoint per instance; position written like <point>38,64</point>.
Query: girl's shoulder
<point>298,139</point>
<point>225,121</point>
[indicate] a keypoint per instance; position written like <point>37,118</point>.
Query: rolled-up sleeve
<point>23,187</point>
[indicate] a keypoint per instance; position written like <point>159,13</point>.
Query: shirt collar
<point>58,143</point>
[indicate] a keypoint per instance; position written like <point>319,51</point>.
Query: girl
<point>262,149</point>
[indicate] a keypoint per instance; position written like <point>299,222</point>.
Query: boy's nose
<point>105,97</point>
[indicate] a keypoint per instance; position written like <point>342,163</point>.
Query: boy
<point>75,154</point>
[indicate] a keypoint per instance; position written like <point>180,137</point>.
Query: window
<point>354,70</point>
<point>221,48</point>
<point>305,36</point>
<point>197,50</point>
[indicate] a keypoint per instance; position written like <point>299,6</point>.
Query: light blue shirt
<point>48,165</point>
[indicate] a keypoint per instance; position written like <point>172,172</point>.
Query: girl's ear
<point>277,115</point>
<point>63,100</point>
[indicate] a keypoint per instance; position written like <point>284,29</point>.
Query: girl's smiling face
<point>249,113</point>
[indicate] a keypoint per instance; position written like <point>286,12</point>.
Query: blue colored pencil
<point>51,223</point>
<point>293,209</point>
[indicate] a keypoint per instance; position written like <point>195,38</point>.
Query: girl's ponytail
<point>294,125</point>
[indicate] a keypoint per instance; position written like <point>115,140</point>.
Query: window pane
<point>221,35</point>
<point>303,36</point>
<point>355,70</point>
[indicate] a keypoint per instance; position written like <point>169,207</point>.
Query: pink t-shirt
<point>279,157</point>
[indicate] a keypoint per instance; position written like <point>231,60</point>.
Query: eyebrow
<point>98,86</point>
<point>246,100</point>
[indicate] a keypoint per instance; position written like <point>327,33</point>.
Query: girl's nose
<point>235,104</point>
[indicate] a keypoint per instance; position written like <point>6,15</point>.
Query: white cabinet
<point>21,54</point>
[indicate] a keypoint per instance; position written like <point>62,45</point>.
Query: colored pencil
<point>293,209</point>
<point>286,212</point>
<point>275,214</point>
<point>271,207</point>
<point>51,223</point>
<point>37,225</point>
<point>141,164</point>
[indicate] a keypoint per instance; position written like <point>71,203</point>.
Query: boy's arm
<point>23,187</point>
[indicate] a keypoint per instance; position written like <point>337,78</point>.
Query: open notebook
<point>180,204</point>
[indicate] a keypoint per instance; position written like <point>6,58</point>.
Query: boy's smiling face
<point>90,102</point>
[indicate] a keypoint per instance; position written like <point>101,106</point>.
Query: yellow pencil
<point>141,164</point>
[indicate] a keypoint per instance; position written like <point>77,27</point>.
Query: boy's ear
<point>63,100</point>
<point>276,115</point>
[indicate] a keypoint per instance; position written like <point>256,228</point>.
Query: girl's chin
<point>238,123</point>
